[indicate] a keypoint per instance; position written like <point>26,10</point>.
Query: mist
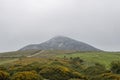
<point>24,22</point>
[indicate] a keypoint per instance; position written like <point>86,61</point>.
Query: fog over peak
<point>24,22</point>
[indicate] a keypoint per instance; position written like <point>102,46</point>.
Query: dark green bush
<point>77,59</point>
<point>95,70</point>
<point>115,67</point>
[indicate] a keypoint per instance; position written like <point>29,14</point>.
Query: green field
<point>104,58</point>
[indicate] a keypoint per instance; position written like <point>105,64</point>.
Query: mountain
<point>61,43</point>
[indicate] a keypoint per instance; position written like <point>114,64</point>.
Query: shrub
<point>55,73</point>
<point>105,76</point>
<point>95,70</point>
<point>77,76</point>
<point>115,67</point>
<point>74,79</point>
<point>110,76</point>
<point>20,68</point>
<point>4,75</point>
<point>77,59</point>
<point>58,73</point>
<point>26,75</point>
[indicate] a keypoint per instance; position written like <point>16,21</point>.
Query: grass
<point>104,58</point>
<point>7,60</point>
<point>18,53</point>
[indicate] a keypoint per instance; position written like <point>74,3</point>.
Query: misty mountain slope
<point>61,43</point>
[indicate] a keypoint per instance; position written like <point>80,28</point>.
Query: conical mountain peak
<point>62,43</point>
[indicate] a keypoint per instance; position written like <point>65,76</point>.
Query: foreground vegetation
<point>58,69</point>
<point>60,66</point>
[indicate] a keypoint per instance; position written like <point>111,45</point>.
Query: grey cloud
<point>24,22</point>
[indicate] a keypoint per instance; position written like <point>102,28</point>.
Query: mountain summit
<point>61,43</point>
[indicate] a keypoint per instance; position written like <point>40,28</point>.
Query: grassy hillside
<point>7,60</point>
<point>104,58</point>
<point>101,57</point>
<point>18,53</point>
<point>10,57</point>
<point>52,53</point>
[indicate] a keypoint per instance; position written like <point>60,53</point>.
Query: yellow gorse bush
<point>4,75</point>
<point>26,75</point>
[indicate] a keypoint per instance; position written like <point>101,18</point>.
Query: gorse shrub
<point>59,69</point>
<point>110,76</point>
<point>77,75</point>
<point>106,76</point>
<point>4,75</point>
<point>58,73</point>
<point>26,75</point>
<point>55,73</point>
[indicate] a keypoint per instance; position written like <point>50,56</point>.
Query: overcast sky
<point>24,22</point>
